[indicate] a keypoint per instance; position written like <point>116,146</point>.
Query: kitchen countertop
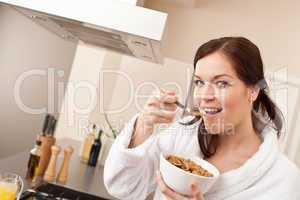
<point>82,178</point>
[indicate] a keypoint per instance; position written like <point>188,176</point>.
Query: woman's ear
<point>253,94</point>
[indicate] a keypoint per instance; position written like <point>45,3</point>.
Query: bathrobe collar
<point>252,170</point>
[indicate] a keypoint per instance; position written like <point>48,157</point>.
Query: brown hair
<point>247,62</point>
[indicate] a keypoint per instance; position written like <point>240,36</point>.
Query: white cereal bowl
<point>180,180</point>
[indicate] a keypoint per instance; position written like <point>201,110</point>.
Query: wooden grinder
<point>51,169</point>
<point>64,170</point>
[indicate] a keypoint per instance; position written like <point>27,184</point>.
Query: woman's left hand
<point>171,195</point>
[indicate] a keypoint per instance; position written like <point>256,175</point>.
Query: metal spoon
<point>194,112</point>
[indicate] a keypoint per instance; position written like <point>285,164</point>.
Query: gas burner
<point>50,191</point>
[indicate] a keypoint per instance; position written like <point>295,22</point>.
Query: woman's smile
<point>210,111</point>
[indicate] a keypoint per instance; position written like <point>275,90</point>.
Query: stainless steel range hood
<point>112,24</point>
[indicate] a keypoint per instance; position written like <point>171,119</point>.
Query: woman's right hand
<point>158,109</point>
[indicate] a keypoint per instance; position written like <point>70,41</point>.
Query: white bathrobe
<point>129,174</point>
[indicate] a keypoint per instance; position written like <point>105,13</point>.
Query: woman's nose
<point>207,92</point>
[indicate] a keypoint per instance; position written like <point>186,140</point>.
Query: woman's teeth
<point>212,110</point>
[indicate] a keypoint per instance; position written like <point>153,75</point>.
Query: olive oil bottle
<point>87,145</point>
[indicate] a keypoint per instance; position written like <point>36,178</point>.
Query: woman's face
<point>220,95</point>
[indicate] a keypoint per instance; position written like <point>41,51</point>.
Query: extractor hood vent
<point>121,27</point>
<point>94,36</point>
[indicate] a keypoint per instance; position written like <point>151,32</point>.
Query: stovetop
<point>50,191</point>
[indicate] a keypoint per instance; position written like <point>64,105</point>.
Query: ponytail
<point>268,109</point>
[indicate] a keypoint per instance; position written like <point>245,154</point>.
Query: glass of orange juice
<point>11,186</point>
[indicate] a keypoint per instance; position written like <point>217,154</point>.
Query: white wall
<point>25,46</point>
<point>273,25</point>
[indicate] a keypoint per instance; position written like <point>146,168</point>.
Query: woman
<point>238,133</point>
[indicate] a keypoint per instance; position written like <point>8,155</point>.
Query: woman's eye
<point>222,84</point>
<point>198,83</point>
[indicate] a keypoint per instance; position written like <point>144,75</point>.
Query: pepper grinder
<point>64,170</point>
<point>51,169</point>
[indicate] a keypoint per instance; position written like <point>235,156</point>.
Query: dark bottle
<point>95,150</point>
<point>33,161</point>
